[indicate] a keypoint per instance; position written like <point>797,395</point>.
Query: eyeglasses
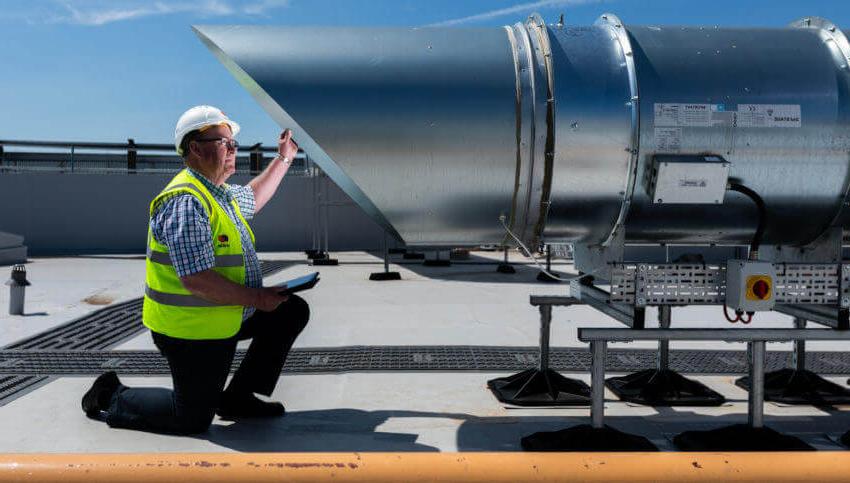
<point>230,144</point>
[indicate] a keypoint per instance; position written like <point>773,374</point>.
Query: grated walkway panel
<point>416,358</point>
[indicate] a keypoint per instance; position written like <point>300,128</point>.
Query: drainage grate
<point>13,387</point>
<point>106,327</point>
<point>101,329</point>
<point>416,358</point>
<point>270,267</point>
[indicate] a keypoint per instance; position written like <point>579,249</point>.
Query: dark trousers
<point>199,370</point>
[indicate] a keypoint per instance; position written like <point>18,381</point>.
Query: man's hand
<point>286,147</point>
<point>266,183</point>
<point>268,299</point>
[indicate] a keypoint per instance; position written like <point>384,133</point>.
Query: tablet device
<point>298,284</point>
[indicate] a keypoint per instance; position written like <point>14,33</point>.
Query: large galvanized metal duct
<point>436,132</point>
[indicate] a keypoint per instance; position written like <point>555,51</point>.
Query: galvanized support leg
<point>545,323</point>
<point>597,383</point>
<point>386,254</point>
<point>799,356</point>
<point>755,411</point>
<point>664,319</point>
<point>325,219</point>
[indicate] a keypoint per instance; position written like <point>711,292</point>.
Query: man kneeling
<point>204,292</point>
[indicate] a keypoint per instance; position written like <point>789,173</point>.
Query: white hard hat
<point>200,117</point>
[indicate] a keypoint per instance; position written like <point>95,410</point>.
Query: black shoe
<point>96,400</point>
<point>248,406</point>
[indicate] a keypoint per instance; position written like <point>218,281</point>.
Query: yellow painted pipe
<point>824,466</point>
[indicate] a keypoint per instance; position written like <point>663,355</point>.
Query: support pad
<point>384,276</point>
<point>325,262</point>
<point>663,387</point>
<point>437,263</point>
<point>739,437</point>
<point>586,438</point>
<point>316,254</point>
<point>397,251</point>
<point>505,268</point>
<point>544,277</point>
<point>792,386</point>
<point>413,256</point>
<point>534,387</point>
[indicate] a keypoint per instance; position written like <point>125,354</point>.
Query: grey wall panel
<point>108,213</point>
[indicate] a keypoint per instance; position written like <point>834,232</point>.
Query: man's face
<point>217,161</point>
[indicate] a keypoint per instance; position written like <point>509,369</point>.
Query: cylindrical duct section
<point>440,132</point>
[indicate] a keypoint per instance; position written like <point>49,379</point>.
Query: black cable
<point>762,213</point>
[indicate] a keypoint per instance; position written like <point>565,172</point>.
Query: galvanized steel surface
<point>436,132</point>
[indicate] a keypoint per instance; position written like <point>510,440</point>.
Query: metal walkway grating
<point>416,358</point>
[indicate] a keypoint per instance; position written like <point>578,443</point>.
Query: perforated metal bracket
<point>642,285</point>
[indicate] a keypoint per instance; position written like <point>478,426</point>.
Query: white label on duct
<point>690,115</point>
<point>769,115</point>
<point>669,115</point>
<point>668,139</point>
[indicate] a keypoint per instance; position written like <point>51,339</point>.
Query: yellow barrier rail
<point>822,466</point>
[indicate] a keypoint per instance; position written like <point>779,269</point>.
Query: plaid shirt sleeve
<point>181,224</point>
<point>244,196</point>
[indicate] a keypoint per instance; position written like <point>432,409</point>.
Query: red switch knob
<point>761,289</point>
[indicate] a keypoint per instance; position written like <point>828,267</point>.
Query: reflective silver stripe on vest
<point>179,300</point>
<point>164,258</point>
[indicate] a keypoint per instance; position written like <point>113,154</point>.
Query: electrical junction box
<point>750,285</point>
<point>684,179</point>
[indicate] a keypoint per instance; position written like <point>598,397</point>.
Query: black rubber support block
<point>533,387</point>
<point>505,268</point>
<point>586,438</point>
<point>437,263</point>
<point>413,256</point>
<point>317,255</point>
<point>654,387</point>
<point>544,277</point>
<point>790,386</point>
<point>384,276</point>
<point>739,437</point>
<point>325,262</point>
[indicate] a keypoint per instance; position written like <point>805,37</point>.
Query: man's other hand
<point>286,147</point>
<point>268,299</point>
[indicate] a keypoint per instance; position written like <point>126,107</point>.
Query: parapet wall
<point>59,214</point>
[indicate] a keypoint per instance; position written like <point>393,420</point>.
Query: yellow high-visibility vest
<point>168,307</point>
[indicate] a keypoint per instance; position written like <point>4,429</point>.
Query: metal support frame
<point>542,386</point>
<point>131,156</point>
<point>796,384</point>
<point>665,313</point>
<point>544,276</point>
<point>505,266</point>
<point>597,298</point>
<point>321,257</point>
<point>752,436</point>
<point>386,275</point>
<point>438,261</point>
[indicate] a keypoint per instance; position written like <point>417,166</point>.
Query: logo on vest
<point>223,241</point>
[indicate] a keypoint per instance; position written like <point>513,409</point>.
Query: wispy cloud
<point>102,12</point>
<point>519,8</point>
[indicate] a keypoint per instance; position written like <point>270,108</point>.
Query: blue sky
<point>106,70</point>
